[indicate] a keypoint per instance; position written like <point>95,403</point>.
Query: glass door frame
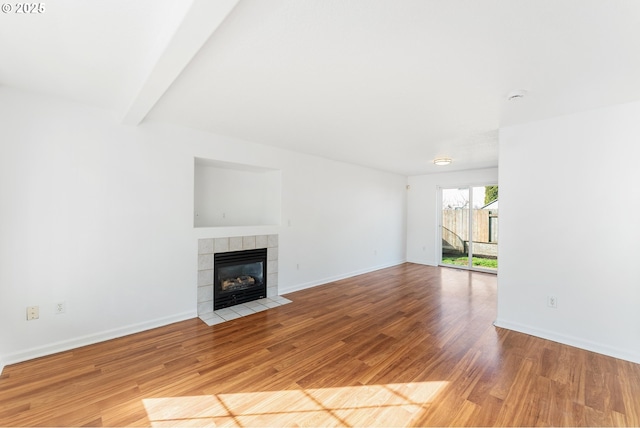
<point>469,266</point>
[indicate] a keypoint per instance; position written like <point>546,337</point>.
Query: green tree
<point>490,194</point>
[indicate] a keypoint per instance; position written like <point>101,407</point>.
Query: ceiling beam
<point>201,20</point>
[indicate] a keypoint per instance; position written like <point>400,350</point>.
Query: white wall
<point>338,220</point>
<point>580,242</point>
<point>100,215</point>
<point>422,209</point>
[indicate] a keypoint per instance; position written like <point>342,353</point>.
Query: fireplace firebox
<point>239,277</point>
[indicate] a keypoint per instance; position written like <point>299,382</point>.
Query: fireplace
<point>239,277</point>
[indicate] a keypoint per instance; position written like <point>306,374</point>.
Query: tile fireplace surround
<point>207,247</point>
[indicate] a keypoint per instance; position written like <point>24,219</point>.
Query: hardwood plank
<point>410,345</point>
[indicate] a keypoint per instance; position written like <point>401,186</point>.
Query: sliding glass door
<point>455,226</point>
<point>469,227</point>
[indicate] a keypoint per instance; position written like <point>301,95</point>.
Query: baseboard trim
<point>422,262</point>
<point>66,345</point>
<point>334,278</point>
<point>570,340</point>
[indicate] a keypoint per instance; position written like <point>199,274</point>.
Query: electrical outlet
<point>61,308</point>
<point>33,313</point>
<point>552,302</point>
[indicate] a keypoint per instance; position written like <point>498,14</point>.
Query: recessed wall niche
<point>231,194</point>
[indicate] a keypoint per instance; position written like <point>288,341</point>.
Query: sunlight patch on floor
<point>369,405</point>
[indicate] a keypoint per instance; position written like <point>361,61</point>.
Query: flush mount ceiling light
<point>516,94</point>
<point>442,161</point>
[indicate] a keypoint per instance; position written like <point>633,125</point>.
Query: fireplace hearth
<point>208,248</point>
<point>239,277</point>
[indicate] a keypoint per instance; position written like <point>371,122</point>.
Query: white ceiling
<point>389,84</point>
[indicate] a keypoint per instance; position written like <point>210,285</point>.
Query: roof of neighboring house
<point>491,206</point>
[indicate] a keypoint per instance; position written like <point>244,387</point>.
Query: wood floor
<point>409,345</point>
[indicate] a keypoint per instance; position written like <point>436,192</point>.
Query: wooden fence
<point>455,228</point>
